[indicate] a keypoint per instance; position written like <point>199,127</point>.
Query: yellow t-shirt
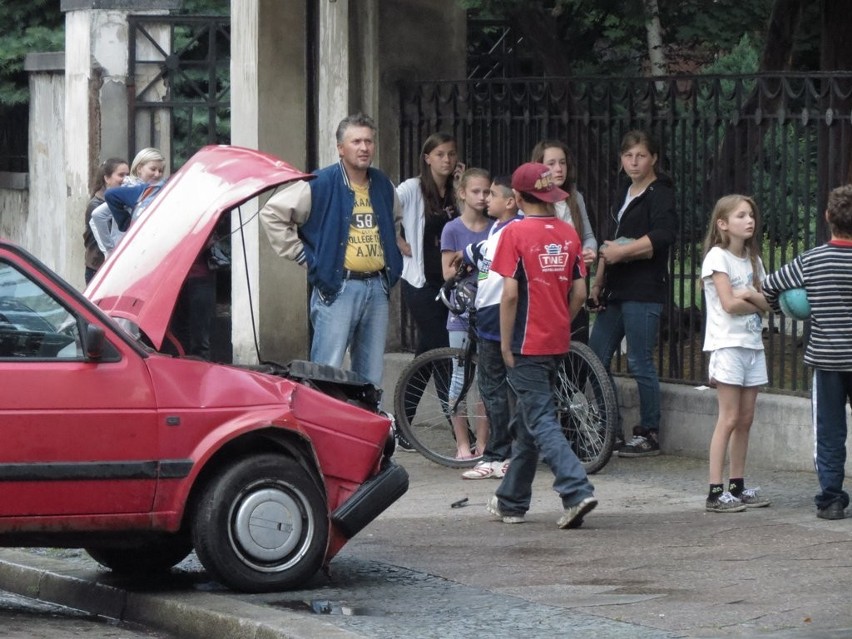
<point>364,250</point>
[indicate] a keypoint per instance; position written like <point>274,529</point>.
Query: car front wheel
<point>261,525</point>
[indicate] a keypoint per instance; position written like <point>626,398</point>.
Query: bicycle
<point>585,396</point>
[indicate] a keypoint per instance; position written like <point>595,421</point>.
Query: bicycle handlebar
<point>456,293</point>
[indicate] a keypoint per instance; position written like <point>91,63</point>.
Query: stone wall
<point>14,203</point>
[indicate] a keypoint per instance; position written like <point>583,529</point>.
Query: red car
<point>108,444</point>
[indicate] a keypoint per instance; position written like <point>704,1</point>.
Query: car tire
<point>261,525</point>
<point>146,557</point>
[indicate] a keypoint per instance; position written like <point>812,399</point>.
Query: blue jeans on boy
<point>832,391</point>
<point>494,391</point>
<point>537,432</point>
<point>640,323</point>
<point>357,319</point>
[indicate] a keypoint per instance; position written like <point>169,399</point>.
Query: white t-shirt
<point>723,329</point>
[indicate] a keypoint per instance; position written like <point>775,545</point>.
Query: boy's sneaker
<point>493,506</point>
<point>834,510</point>
<point>752,498</point>
<point>403,444</point>
<point>482,470</point>
<point>643,444</point>
<point>573,515</point>
<point>725,503</point>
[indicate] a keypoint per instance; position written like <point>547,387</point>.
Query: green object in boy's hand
<point>794,303</point>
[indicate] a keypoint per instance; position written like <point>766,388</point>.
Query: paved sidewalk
<point>649,562</point>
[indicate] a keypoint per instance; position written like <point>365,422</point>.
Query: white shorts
<point>738,367</point>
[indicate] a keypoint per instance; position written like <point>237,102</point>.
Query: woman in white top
<point>558,158</point>
<point>428,203</point>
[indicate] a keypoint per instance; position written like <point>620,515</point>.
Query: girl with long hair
<point>732,274</point>
<point>110,173</point>
<point>428,202</point>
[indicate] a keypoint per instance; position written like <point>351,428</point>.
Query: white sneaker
<point>482,470</point>
<point>500,468</point>
<point>573,515</point>
<point>493,506</point>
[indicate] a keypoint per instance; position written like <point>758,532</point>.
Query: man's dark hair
<point>357,119</point>
<point>839,211</point>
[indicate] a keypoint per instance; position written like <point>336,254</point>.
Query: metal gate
<point>179,84</point>
<point>785,139</point>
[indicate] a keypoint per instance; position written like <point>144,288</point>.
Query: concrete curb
<point>190,615</point>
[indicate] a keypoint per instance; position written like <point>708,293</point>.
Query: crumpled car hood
<point>142,279</point>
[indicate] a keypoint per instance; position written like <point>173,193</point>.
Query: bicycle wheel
<point>422,406</point>
<point>587,406</point>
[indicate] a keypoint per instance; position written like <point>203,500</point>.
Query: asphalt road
<point>649,562</point>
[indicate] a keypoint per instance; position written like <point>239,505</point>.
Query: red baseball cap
<point>536,179</point>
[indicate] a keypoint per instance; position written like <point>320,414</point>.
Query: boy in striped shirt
<point>825,272</point>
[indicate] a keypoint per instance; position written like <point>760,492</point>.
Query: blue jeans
<point>494,391</point>
<point>831,391</point>
<point>640,323</point>
<point>357,319</point>
<point>537,432</point>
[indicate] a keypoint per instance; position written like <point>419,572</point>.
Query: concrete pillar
<point>411,51</point>
<point>96,56</point>
<point>333,86</point>
<point>269,102</point>
<point>362,50</point>
<point>43,231</point>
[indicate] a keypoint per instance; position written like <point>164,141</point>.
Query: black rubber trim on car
<point>371,499</point>
<point>75,471</point>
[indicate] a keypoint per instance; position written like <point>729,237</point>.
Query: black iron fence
<point>784,139</point>
<point>14,128</point>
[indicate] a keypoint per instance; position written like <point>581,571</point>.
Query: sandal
<point>482,470</point>
<point>500,469</point>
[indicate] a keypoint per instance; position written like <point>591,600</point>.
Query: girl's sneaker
<point>482,470</point>
<point>500,469</point>
<point>752,498</point>
<point>725,503</point>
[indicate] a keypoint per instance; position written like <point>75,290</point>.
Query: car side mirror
<point>93,341</point>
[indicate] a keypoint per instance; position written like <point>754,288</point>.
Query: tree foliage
<point>39,25</point>
<point>36,25</point>
<point>607,37</point>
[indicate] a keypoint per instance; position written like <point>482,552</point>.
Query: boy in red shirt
<point>540,259</point>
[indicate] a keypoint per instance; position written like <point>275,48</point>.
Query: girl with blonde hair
<point>732,274</point>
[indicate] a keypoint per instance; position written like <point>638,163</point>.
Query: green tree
<point>39,25</point>
<point>36,25</point>
<point>607,37</point>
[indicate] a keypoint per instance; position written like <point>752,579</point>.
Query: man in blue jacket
<point>342,227</point>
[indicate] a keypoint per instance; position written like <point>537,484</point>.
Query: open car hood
<point>142,279</point>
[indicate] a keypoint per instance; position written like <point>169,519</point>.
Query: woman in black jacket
<point>632,281</point>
